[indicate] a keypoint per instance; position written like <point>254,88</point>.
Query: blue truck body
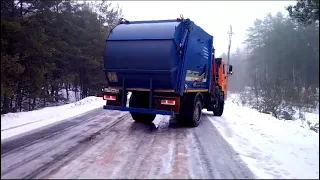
<point>158,56</point>
<point>143,50</point>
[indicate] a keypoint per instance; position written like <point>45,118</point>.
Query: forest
<point>278,70</point>
<point>49,46</point>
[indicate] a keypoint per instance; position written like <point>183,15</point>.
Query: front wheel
<point>219,110</point>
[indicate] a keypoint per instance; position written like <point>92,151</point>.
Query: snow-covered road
<point>16,123</point>
<point>80,140</point>
<point>108,144</point>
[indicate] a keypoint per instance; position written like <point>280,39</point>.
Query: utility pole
<point>229,46</point>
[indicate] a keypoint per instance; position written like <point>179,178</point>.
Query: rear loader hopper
<point>168,65</point>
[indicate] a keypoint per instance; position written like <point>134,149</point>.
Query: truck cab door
<point>223,78</point>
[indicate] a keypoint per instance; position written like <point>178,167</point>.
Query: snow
<point>309,121</point>
<point>73,97</point>
<point>16,123</point>
<point>271,148</point>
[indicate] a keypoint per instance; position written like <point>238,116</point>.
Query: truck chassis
<point>144,104</point>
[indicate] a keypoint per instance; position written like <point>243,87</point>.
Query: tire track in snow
<point>120,152</point>
<point>73,152</point>
<point>142,145</point>
<point>93,155</point>
<point>44,133</point>
<point>120,148</point>
<point>222,159</point>
<point>197,165</point>
<point>113,156</point>
<point>48,153</point>
<point>180,168</point>
<point>156,162</point>
<point>35,149</point>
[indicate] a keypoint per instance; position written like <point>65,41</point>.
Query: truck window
<point>223,71</point>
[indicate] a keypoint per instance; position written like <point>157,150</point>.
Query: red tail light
<point>168,102</point>
<point>110,98</point>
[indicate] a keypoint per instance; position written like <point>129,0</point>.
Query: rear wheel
<point>140,100</point>
<point>190,110</point>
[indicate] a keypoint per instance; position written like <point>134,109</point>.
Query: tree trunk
<point>11,101</point>
<point>11,104</point>
<point>45,98</point>
<point>21,8</point>
<point>52,91</point>
<point>20,99</point>
<point>56,95</point>
<point>67,91</point>
<point>33,103</point>
<point>29,104</point>
<point>5,107</point>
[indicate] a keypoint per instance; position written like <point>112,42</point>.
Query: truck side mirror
<point>230,70</point>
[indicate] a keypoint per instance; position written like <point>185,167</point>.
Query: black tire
<point>219,110</point>
<point>190,111</point>
<point>140,100</point>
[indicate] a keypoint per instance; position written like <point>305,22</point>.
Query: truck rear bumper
<point>139,110</point>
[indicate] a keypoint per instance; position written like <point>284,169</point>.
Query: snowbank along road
<point>109,144</point>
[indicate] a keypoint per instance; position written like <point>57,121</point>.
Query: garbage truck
<point>170,68</point>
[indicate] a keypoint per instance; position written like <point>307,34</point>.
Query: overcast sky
<point>215,17</point>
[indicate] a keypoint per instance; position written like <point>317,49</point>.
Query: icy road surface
<point>109,144</point>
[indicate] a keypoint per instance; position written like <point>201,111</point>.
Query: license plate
<point>111,90</point>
